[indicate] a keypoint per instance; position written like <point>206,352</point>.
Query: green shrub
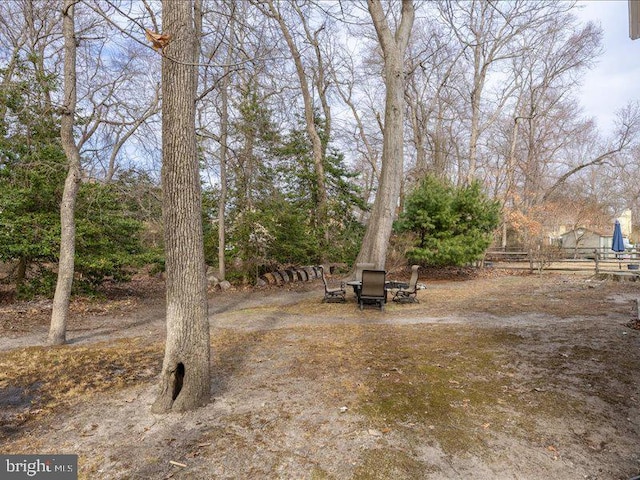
<point>452,225</point>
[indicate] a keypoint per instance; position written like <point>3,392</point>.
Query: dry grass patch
<point>39,380</point>
<point>460,389</point>
<point>531,294</point>
<point>452,384</point>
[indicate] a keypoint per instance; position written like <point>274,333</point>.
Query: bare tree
<point>123,130</point>
<point>319,69</point>
<point>346,80</point>
<point>433,74</point>
<point>118,90</point>
<point>13,40</point>
<point>393,45</point>
<point>274,12</point>
<point>545,75</point>
<point>29,32</point>
<point>625,137</point>
<point>490,34</point>
<point>66,263</point>
<point>224,139</point>
<point>185,381</point>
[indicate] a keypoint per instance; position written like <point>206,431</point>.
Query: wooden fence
<point>586,260</point>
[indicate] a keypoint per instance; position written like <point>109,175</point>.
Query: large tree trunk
<point>185,381</point>
<point>376,238</point>
<point>66,265</point>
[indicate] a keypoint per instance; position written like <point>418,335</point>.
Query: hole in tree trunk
<point>178,377</point>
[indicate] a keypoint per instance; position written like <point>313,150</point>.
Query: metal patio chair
<point>373,288</point>
<point>332,295</point>
<point>410,293</point>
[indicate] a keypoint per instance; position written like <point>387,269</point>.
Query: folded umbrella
<point>617,244</point>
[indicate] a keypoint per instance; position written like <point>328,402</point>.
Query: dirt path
<point>490,378</point>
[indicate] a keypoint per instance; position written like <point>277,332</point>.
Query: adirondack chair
<point>409,294</point>
<point>332,295</point>
<point>373,288</point>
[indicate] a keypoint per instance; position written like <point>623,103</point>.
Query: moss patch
<point>448,386</point>
<point>378,464</point>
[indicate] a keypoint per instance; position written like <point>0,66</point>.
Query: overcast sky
<point>616,78</point>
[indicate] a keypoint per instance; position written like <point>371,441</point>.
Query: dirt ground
<point>490,376</point>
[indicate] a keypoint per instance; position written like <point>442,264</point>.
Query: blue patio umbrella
<point>617,244</point>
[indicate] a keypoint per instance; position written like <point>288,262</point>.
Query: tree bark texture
<point>66,262</point>
<point>185,380</point>
<point>376,238</point>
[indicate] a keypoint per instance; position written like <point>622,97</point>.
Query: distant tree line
<point>291,129</point>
